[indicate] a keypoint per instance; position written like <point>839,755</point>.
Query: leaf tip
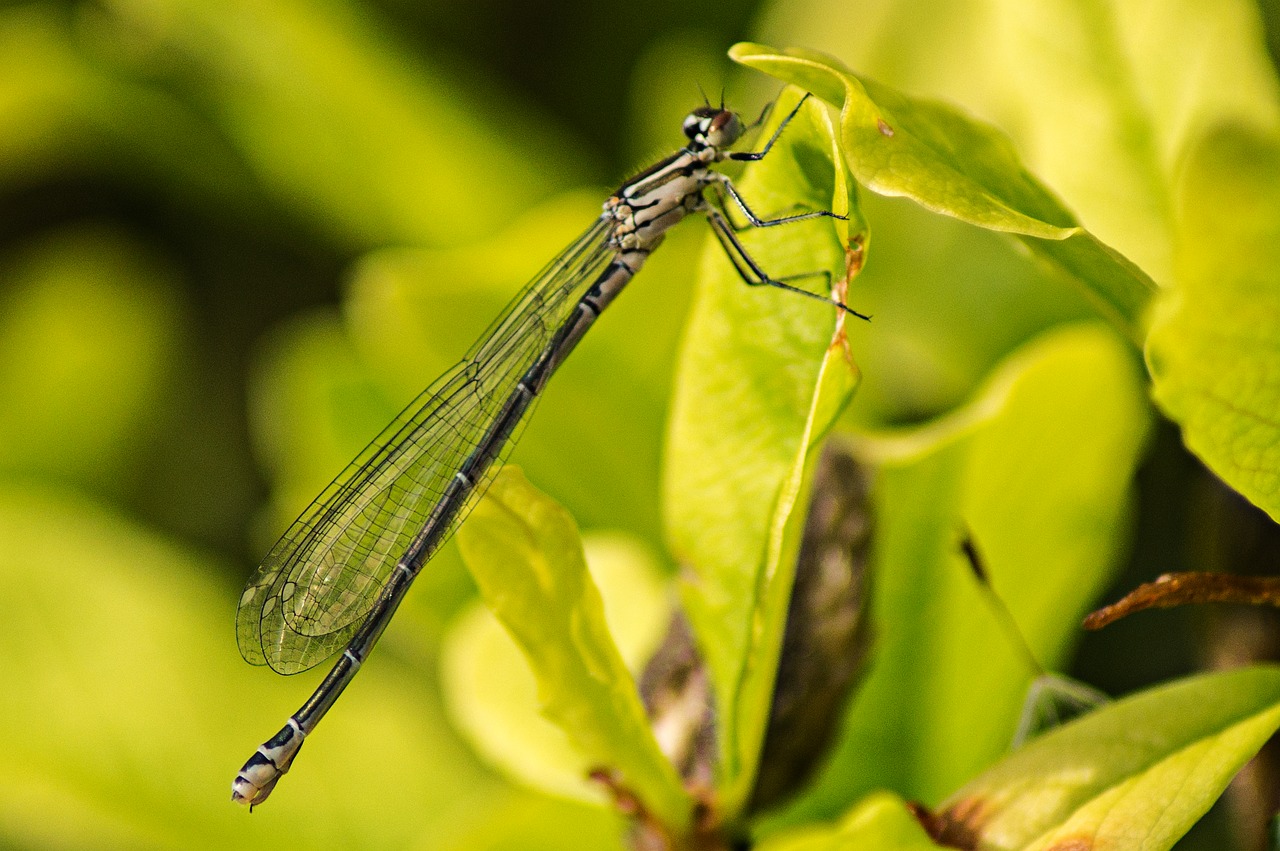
<point>745,50</point>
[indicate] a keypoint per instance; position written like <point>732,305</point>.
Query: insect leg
<point>751,272</point>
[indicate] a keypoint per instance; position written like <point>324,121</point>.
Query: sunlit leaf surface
<point>1136,774</point>
<point>952,164</point>
<point>1037,470</point>
<point>763,374</point>
<point>526,556</point>
<point>492,692</point>
<point>1214,350</point>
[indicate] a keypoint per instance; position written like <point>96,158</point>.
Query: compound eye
<point>692,125</point>
<point>726,128</point>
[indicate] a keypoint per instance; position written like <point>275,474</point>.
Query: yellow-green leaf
<point>525,554</point>
<point>1214,348</point>
<point>1135,774</point>
<point>879,822</point>
<point>1103,100</point>
<point>1038,469</point>
<point>763,375</point>
<point>89,326</point>
<point>958,166</point>
<point>335,116</point>
<point>492,692</point>
<point>132,709</point>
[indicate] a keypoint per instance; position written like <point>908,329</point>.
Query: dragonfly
<point>335,578</point>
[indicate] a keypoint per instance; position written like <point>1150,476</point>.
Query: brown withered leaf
<point>677,696</point>
<point>958,826</point>
<point>1180,589</point>
<point>827,638</point>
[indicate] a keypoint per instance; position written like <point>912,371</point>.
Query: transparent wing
<point>321,578</point>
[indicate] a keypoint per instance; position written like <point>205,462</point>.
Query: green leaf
<point>1102,99</point>
<point>492,692</point>
<point>1038,469</point>
<point>62,113</point>
<point>133,709</point>
<point>880,822</point>
<point>955,165</point>
<point>526,556</point>
<point>313,404</point>
<point>89,327</point>
<point>950,302</point>
<point>529,822</point>
<point>762,376</point>
<point>336,117</point>
<point>1214,348</point>
<point>1135,774</point>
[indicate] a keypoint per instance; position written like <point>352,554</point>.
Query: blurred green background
<point>236,237</point>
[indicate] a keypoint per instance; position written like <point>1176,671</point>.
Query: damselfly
<point>337,575</point>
